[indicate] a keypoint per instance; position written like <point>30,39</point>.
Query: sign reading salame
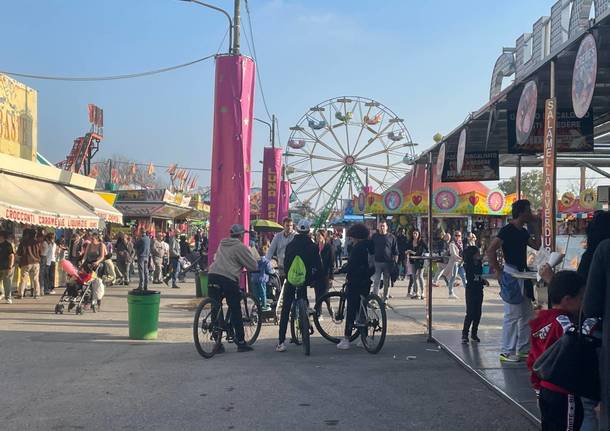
<point>477,166</point>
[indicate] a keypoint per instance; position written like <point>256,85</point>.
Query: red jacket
<point>547,328</point>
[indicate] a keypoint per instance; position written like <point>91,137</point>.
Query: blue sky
<point>428,61</point>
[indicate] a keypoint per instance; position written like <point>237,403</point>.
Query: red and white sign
<point>50,220</point>
<point>549,190</point>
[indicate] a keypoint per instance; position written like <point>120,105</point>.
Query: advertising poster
<point>476,166</point>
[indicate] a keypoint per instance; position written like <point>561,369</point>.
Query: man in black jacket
<point>301,246</point>
<point>358,276</point>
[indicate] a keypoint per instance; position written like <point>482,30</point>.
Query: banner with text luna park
<point>478,166</point>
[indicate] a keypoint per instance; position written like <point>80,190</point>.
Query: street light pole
<point>224,12</point>
<point>271,129</point>
<point>236,27</point>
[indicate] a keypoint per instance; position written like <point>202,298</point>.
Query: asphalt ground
<point>69,372</point>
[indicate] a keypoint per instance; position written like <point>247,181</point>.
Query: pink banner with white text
<point>284,200</point>
<point>231,150</point>
<point>272,171</point>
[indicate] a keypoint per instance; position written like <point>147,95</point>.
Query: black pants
<point>230,290</point>
<point>474,303</point>
<point>353,292</point>
<point>559,412</point>
<point>287,300</point>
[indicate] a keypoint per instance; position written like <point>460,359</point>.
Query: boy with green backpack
<point>302,265</point>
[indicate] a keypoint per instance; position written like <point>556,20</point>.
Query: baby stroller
<point>83,290</point>
<point>193,262</point>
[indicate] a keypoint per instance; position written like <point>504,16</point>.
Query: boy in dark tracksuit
<point>358,276</point>
<point>474,293</point>
<point>559,409</point>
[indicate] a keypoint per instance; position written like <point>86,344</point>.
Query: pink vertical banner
<point>231,148</point>
<point>284,200</point>
<point>272,171</point>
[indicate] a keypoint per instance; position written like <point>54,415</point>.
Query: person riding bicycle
<point>300,252</point>
<point>358,276</point>
<point>231,256</point>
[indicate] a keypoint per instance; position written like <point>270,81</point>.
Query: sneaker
<point>506,357</point>
<point>523,355</point>
<point>281,347</point>
<point>175,286</point>
<point>343,344</point>
<point>453,296</point>
<point>9,301</point>
<point>52,292</point>
<point>243,347</point>
<point>474,337</point>
<point>464,340</point>
<point>266,309</point>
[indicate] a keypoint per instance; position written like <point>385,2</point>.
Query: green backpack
<point>297,272</point>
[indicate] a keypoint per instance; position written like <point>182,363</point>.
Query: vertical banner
<point>549,173</point>
<point>231,148</point>
<point>272,171</point>
<point>284,200</point>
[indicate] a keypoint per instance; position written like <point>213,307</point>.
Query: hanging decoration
<point>151,169</point>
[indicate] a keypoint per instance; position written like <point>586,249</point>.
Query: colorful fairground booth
<point>464,206</point>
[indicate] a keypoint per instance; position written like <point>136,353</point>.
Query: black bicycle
<point>212,319</point>
<point>300,327</point>
<point>370,324</point>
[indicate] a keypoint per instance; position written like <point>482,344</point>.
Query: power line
<point>258,75</point>
<point>108,78</point>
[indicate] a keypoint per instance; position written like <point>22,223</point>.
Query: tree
<point>532,184</point>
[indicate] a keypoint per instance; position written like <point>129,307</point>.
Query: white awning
<point>34,202</point>
<point>98,205</point>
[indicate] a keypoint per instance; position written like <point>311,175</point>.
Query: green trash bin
<point>203,284</point>
<point>143,312</point>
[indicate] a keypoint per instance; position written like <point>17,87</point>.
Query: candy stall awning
<point>40,203</point>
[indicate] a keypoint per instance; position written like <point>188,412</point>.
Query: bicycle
<point>370,325</point>
<point>208,328</point>
<point>300,327</point>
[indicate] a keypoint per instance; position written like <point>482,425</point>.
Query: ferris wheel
<point>340,145</point>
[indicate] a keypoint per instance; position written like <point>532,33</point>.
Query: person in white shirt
<point>50,257</point>
<point>277,248</point>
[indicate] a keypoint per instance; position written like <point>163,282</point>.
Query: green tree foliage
<point>531,187</point>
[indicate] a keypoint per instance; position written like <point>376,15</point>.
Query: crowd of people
<point>38,255</point>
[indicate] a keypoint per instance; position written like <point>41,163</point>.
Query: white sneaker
<point>9,301</point>
<point>343,344</point>
<point>280,347</point>
<point>453,296</point>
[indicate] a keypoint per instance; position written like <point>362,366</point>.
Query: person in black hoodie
<point>327,256</point>
<point>358,276</point>
<point>301,246</point>
<point>474,293</point>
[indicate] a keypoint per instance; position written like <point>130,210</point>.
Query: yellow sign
<point>18,119</point>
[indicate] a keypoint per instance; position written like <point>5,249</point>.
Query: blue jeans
<point>458,270</point>
<point>261,293</point>
<point>174,267</point>
<point>589,422</point>
<point>143,272</point>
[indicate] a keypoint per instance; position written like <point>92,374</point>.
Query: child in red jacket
<point>559,410</point>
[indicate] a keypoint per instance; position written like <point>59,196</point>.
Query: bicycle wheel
<point>304,325</point>
<point>295,326</point>
<point>251,315</point>
<point>206,333</point>
<point>330,321</point>
<point>373,334</point>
